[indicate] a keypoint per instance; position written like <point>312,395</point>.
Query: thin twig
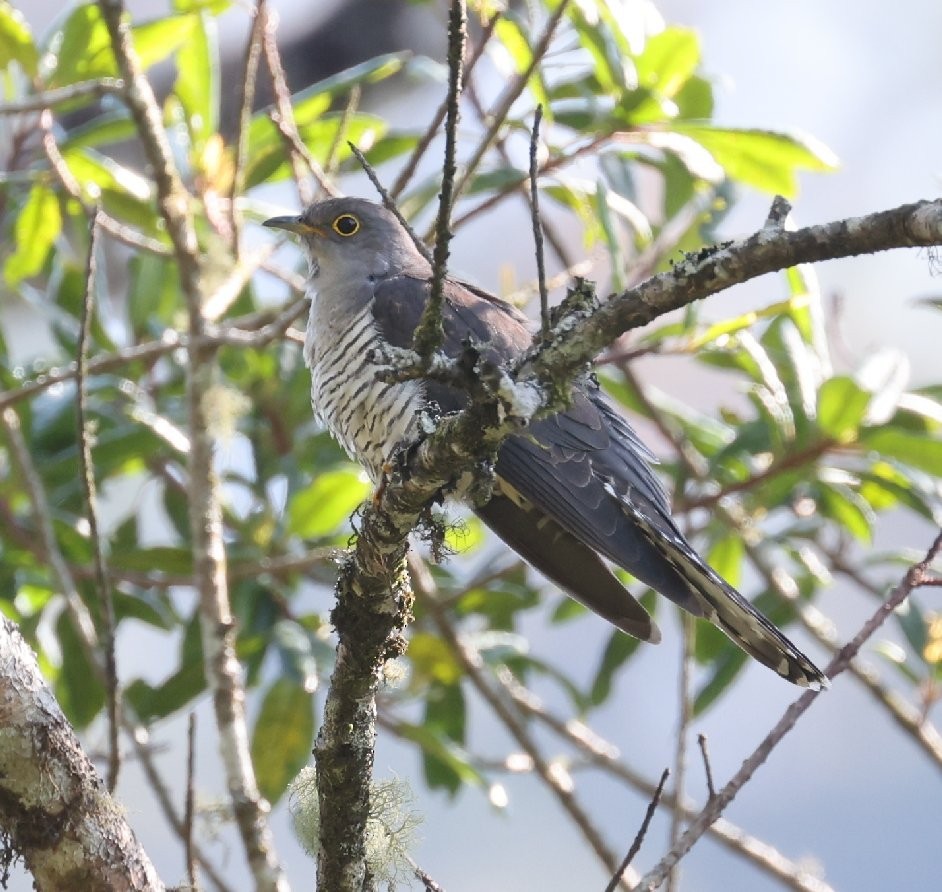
<point>537,225</point>
<point>87,472</point>
<point>105,86</point>
<point>188,811</point>
<point>205,513</point>
<point>427,882</point>
<point>253,51</point>
<point>408,170</point>
<point>510,95</point>
<point>388,202</point>
<point>642,832</point>
<point>428,334</point>
<point>283,118</point>
<point>473,667</point>
<point>140,740</point>
<point>556,241</point>
<point>707,768</point>
<point>715,807</point>
<point>332,159</point>
<point>683,726</point>
<point>604,755</point>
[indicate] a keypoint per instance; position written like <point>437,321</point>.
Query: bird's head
<point>350,239</point>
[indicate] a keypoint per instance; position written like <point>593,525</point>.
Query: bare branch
<point>604,755</point>
<point>428,334</point>
<point>216,622</point>
<point>642,832</point>
<point>913,579</point>
<point>537,225</point>
<point>105,86</point>
<point>408,171</point>
<point>707,768</point>
<point>283,118</point>
<point>87,470</point>
<point>188,810</point>
<point>473,667</point>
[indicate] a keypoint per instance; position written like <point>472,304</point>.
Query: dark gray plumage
<point>575,490</point>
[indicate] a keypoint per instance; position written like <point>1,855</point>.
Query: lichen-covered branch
<point>54,808</point>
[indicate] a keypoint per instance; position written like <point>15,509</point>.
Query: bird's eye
<point>346,225</point>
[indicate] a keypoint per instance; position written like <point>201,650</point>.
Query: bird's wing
<point>579,484</point>
<point>558,533</point>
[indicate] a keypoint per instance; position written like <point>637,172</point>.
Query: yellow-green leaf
<point>283,736</point>
<point>764,159</point>
<point>16,41</point>
<point>37,227</point>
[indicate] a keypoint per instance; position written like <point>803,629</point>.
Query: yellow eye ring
<point>346,225</point>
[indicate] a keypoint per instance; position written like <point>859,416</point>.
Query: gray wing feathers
<point>583,479</point>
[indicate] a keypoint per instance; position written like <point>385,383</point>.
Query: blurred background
<point>867,86</point>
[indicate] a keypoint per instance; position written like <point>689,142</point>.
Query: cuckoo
<point>573,492</point>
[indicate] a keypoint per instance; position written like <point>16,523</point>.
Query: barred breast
<point>367,416</point>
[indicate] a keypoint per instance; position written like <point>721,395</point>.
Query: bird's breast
<point>369,417</point>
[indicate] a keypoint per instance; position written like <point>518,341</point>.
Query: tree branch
<point>223,672</point>
<point>53,805</point>
<point>915,577</point>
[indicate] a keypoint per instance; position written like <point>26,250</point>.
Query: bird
<point>573,494</point>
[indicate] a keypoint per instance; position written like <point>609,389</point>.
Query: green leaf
<point>917,450</point>
<point>282,737</point>
<point>37,227</point>
<point>669,60</point>
<point>77,688</point>
<point>846,508</point>
<point>197,85</point>
<point>447,765</point>
<point>763,159</point>
<point>723,675</point>
<point>618,651</point>
<point>85,51</point>
<point>16,40</point>
<point>322,507</point>
<point>842,405</point>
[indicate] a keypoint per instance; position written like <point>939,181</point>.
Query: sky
<point>845,789</point>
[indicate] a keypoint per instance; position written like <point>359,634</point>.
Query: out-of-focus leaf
<point>102,130</point>
<point>157,559</point>
<point>842,405</point>
<point>184,683</point>
<point>282,737</point>
<point>913,624</point>
<point>16,41</point>
<point>847,508</point>
<point>618,651</point>
<point>917,450</point>
<point>726,557</point>
<point>197,84</point>
<point>513,38</point>
<point>77,688</point>
<point>322,507</point>
<point>766,160</point>
<point>37,227</point>
<point>447,765</point>
<point>85,52</point>
<point>723,675</point>
<point>432,659</point>
<point>668,60</point>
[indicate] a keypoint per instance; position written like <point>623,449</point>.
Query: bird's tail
<point>728,610</point>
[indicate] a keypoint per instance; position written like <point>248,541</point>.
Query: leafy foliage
<point>810,457</point>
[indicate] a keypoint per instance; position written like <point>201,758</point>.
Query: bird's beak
<point>293,224</point>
